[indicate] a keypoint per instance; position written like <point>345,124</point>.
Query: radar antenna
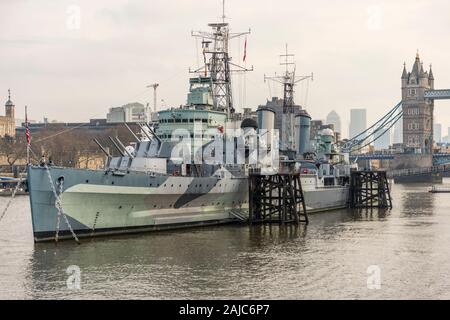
<point>217,62</point>
<point>288,80</point>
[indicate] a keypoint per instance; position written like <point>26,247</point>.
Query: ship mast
<point>217,63</point>
<point>288,80</point>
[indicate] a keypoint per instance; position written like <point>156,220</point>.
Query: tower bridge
<point>416,110</point>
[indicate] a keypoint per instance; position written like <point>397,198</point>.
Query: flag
<point>245,50</point>
<point>27,130</point>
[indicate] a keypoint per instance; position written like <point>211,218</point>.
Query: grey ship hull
<point>102,203</point>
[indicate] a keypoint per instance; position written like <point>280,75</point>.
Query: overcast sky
<point>73,69</point>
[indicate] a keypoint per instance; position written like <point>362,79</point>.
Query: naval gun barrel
<point>124,148</point>
<point>102,148</point>
<point>132,133</point>
<point>117,147</point>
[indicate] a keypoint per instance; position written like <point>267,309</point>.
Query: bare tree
<point>13,149</point>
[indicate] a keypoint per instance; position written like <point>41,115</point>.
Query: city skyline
<point>437,132</point>
<point>80,70</point>
<point>334,119</point>
<point>358,122</point>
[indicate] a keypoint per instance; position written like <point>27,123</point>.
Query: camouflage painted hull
<point>102,203</point>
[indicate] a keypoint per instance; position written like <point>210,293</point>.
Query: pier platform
<point>276,198</point>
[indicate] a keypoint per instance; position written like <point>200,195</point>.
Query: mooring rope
<point>58,206</point>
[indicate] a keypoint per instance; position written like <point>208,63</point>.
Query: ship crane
<point>154,86</point>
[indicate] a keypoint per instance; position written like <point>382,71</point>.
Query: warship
<point>163,180</point>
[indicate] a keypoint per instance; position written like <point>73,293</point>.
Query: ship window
<point>185,120</point>
<point>191,120</point>
<point>112,182</point>
<point>87,181</point>
<point>170,120</point>
<point>177,120</point>
<point>205,120</point>
<point>197,119</point>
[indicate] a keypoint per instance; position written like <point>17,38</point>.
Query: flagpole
<point>27,133</point>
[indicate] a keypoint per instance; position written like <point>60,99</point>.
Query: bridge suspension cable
<point>376,137</point>
<point>375,131</point>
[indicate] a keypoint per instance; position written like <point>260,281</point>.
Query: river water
<point>345,254</point>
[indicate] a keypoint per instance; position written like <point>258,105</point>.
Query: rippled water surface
<point>327,259</point>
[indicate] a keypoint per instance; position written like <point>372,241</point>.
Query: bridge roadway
<point>438,158</point>
<point>417,171</point>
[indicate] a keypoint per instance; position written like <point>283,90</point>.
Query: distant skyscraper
<point>334,119</point>
<point>437,132</point>
<point>358,122</point>
<point>382,142</point>
<point>398,132</point>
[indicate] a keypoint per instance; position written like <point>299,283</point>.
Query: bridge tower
<point>417,110</point>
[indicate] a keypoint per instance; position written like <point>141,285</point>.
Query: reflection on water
<point>326,259</point>
<point>418,201</point>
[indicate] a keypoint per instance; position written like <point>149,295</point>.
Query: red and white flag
<point>245,50</point>
<point>27,130</point>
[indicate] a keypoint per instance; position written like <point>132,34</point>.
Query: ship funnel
<point>303,123</point>
<point>266,123</point>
